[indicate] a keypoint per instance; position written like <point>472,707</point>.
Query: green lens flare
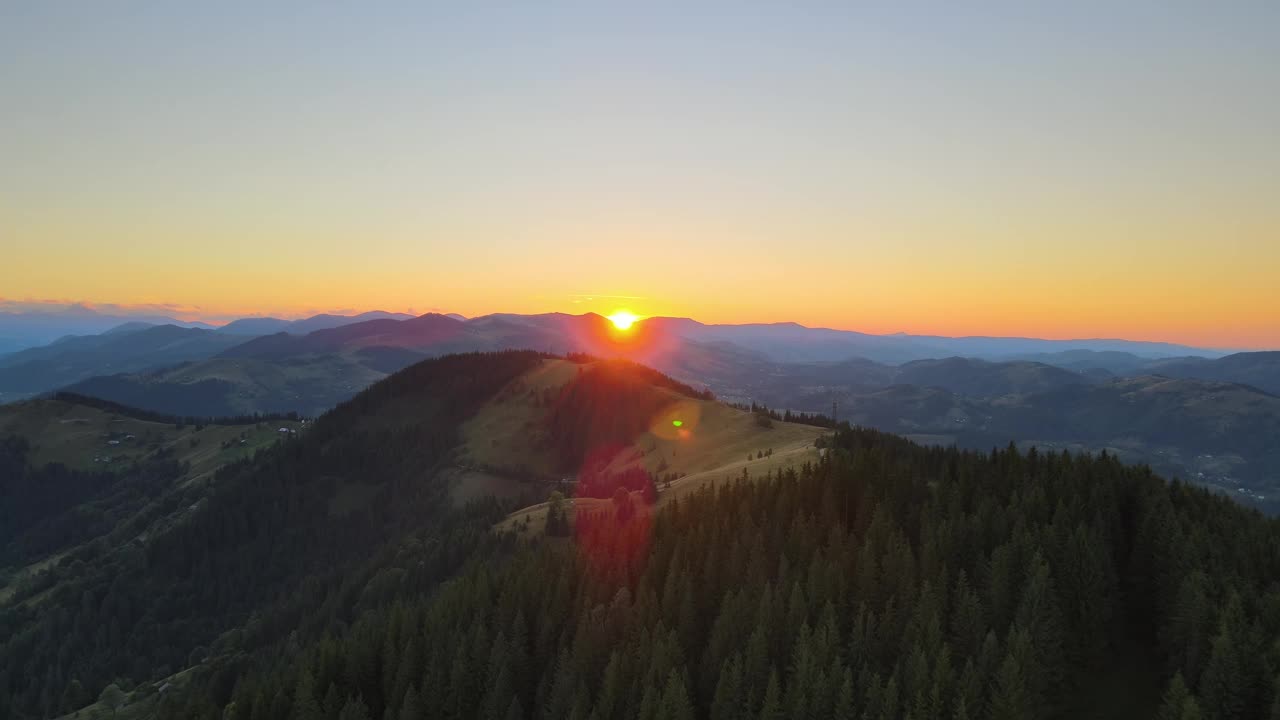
<point>677,423</point>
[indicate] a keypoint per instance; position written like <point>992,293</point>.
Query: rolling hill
<point>72,359</point>
<point>792,342</point>
<point>313,372</point>
<point>405,458</point>
<point>79,471</point>
<point>1258,369</point>
<point>308,385</point>
<point>22,328</point>
<point>1218,434</point>
<point>1197,429</point>
<point>373,565</point>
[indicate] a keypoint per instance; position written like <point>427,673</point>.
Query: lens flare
<point>623,319</point>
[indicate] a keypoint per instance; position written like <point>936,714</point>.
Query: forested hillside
<point>299,531</point>
<point>888,581</point>
<point>333,577</point>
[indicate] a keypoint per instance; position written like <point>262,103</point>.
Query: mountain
<point>255,326</point>
<point>1212,433</point>
<point>325,321</point>
<point>1259,369</point>
<point>428,332</point>
<point>1111,362</point>
<point>271,326</point>
<point>416,458</point>
<point>1203,431</point>
<point>981,378</point>
<point>125,328</point>
<point>223,386</point>
<point>311,373</point>
<point>519,535</point>
<point>791,342</point>
<point>71,359</point>
<point>31,328</point>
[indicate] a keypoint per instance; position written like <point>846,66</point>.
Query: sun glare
<point>623,320</point>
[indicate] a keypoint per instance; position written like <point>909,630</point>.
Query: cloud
<point>82,306</point>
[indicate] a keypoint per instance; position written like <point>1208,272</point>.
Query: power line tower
<point>834,421</point>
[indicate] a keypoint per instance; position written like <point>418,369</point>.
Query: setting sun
<point>623,319</point>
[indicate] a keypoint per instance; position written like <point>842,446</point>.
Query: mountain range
<point>583,537</point>
<point>1047,392</point>
<point>20,329</point>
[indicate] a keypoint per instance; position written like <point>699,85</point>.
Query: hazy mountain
<point>976,402</point>
<point>1259,369</point>
<point>270,325</point>
<point>791,342</point>
<point>427,332</point>
<point>1210,432</point>
<point>71,359</point>
<point>24,329</point>
<point>325,321</point>
<point>796,385</point>
<point>255,326</point>
<point>312,372</point>
<point>125,328</point>
<point>1084,361</point>
<point>222,386</point>
<point>982,378</point>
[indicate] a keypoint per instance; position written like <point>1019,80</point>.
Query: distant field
<point>88,438</point>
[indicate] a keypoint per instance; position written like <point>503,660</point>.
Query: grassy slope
<point>711,444</point>
<point>75,435</point>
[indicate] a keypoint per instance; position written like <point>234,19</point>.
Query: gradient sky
<point>1082,171</point>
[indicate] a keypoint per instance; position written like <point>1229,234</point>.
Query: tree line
<point>886,581</point>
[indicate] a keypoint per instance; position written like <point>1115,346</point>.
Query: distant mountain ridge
<point>26,329</point>
<point>789,341</point>
<point>70,359</point>
<point>271,325</point>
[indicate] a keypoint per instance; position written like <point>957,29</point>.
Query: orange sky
<point>1041,174</point>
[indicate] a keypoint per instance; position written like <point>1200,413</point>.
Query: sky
<point>949,168</point>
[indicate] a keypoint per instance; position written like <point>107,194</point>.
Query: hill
<point>313,372</point>
<point>792,342</point>
<point>399,460</point>
<point>308,385</point>
<point>76,471</point>
<point>42,323</point>
<point>355,568</point>
<point>967,376</point>
<point>1193,429</point>
<point>889,581</point>
<point>1259,369</point>
<point>72,359</point>
<point>561,423</point>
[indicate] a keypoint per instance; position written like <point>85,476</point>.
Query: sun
<point>623,319</point>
